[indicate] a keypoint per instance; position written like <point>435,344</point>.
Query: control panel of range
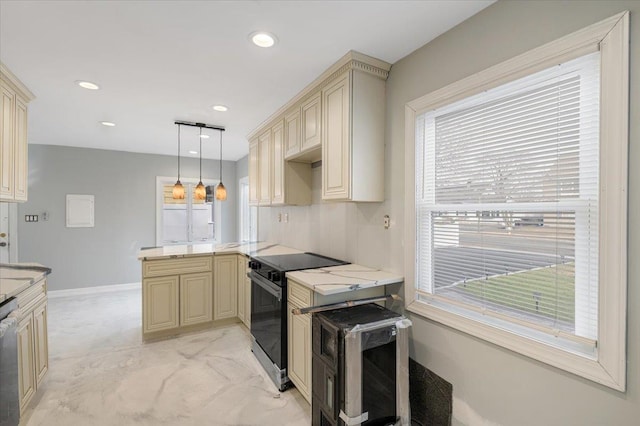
<point>267,271</point>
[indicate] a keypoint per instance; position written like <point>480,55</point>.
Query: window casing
<point>498,208</point>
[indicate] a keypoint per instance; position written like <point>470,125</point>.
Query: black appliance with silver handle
<point>269,308</point>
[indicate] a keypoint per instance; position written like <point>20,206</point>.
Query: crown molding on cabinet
<point>10,79</point>
<point>352,60</point>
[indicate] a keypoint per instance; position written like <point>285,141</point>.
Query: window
<point>186,221</point>
<point>509,172</point>
<point>248,214</point>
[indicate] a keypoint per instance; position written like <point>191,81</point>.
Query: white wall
<point>491,385</point>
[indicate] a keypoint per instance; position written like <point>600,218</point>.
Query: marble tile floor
<point>102,374</point>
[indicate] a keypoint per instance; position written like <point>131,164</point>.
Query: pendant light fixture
<point>221,191</point>
<point>201,191</point>
<point>178,189</point>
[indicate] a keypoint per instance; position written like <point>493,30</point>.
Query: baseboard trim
<point>52,294</point>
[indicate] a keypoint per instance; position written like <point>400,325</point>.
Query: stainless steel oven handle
<point>267,285</point>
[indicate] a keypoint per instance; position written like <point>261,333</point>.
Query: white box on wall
<point>80,211</point>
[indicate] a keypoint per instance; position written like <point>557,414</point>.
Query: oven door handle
<point>267,286</point>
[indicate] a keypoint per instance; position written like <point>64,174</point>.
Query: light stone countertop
<point>17,277</point>
<point>343,278</point>
<point>255,248</point>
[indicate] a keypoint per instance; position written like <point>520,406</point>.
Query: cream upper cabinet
<point>292,133</point>
<point>311,123</point>
<point>254,173</point>
<point>278,164</point>
<point>339,119</point>
<point>353,138</point>
<point>225,287</point>
<point>291,180</point>
<point>264,168</point>
<point>13,137</point>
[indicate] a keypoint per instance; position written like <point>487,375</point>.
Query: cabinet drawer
<point>29,295</point>
<point>184,265</point>
<point>298,294</point>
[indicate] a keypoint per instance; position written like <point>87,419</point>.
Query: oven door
<point>268,326</point>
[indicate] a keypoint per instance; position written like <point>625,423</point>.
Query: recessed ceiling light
<point>263,39</point>
<point>204,137</point>
<point>220,108</point>
<point>107,123</point>
<point>193,152</point>
<point>87,85</point>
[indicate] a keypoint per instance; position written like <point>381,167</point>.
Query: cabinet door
<point>160,299</point>
<point>225,290</point>
<point>7,125</point>
<point>247,302</point>
<point>311,127</point>
<point>292,133</point>
<point>41,342</point>
<point>264,168</point>
<point>20,151</point>
<point>242,266</point>
<point>336,154</point>
<point>254,176</point>
<point>26,357</point>
<point>195,298</point>
<point>299,334</point>
<point>277,171</point>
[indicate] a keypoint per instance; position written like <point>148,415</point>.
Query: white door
<point>4,233</point>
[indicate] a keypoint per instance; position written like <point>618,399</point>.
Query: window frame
<point>611,37</point>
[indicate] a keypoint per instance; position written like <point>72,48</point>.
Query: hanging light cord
<point>220,156</point>
<point>178,152</point>
<point>200,154</point>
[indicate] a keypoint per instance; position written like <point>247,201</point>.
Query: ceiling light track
<point>200,125</point>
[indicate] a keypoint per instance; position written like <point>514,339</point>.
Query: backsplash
<point>349,231</point>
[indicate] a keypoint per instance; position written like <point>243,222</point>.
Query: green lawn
<point>554,285</point>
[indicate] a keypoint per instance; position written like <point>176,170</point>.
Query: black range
<point>269,307</point>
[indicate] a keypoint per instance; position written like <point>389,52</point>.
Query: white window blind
<point>507,204</point>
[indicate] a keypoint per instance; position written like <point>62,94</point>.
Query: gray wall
<point>491,385</point>
<point>124,185</point>
<point>242,167</point>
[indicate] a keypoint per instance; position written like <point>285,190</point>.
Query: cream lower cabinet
<point>299,329</point>
<point>244,291</point>
<point>26,361</point>
<point>299,350</point>
<point>195,298</point>
<point>225,289</point>
<point>176,293</point>
<point>160,299</point>
<point>176,300</point>
<point>33,343</point>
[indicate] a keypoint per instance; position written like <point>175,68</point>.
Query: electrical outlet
<point>387,221</point>
<point>279,217</point>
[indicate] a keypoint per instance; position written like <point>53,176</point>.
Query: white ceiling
<point>160,61</point>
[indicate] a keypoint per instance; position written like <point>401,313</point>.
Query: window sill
<point>577,364</point>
